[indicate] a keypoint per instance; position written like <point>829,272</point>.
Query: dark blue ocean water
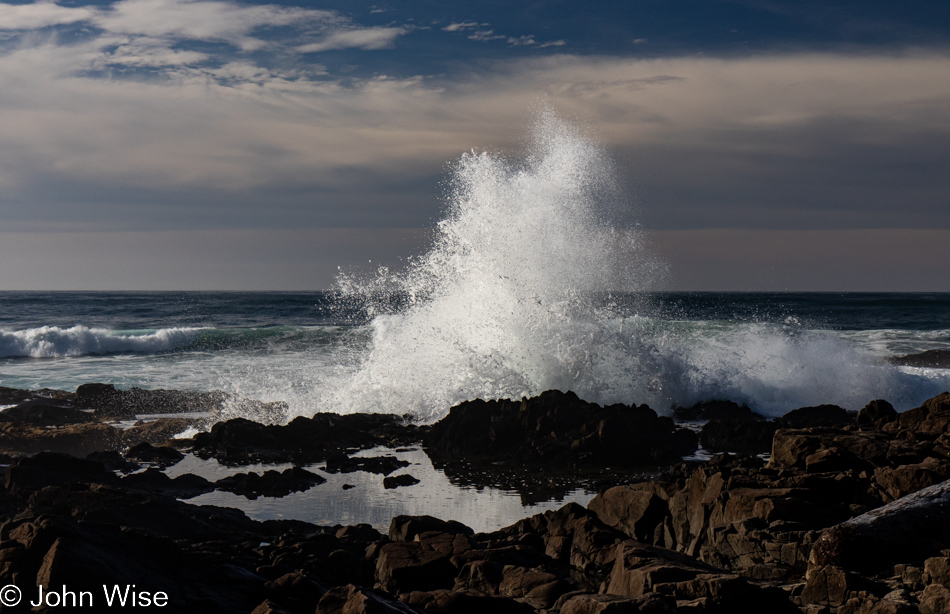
<point>773,350</point>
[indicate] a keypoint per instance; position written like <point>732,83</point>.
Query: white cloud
<point>462,25</point>
<point>485,35</point>
<point>204,19</point>
<point>522,40</point>
<point>557,43</point>
<point>361,38</point>
<point>40,15</point>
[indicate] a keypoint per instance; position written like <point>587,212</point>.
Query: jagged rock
<point>352,599</point>
<point>820,415</point>
<point>184,486</point>
<point>588,603</point>
<point>876,413</point>
<point>935,600</point>
<point>747,436</point>
<point>717,410</point>
<point>45,412</point>
<point>303,440</point>
<point>407,528</point>
<point>557,428</point>
<point>913,527</point>
<point>383,465</point>
<point>160,456</point>
<point>399,480</point>
<point>464,602</point>
<point>74,439</point>
<point>638,510</point>
<point>421,565</point>
<point>271,483</point>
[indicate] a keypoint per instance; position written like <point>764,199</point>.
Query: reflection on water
<point>482,508</point>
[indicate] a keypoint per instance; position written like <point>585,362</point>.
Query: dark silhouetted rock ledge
<point>557,428</point>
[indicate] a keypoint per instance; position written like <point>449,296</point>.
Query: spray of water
<point>513,298</point>
<point>503,304</point>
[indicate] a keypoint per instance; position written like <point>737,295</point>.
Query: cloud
<point>40,15</point>
<point>783,141</point>
<point>361,38</point>
<point>485,35</point>
<point>463,25</point>
<point>522,40</point>
<point>204,19</point>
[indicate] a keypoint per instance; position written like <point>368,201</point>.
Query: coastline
<point>662,534</point>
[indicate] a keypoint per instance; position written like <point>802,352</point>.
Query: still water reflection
<point>483,508</point>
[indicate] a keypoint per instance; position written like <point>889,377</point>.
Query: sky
<point>222,145</point>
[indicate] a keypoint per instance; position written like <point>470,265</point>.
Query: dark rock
<point>716,410</point>
<point>45,412</point>
<point>876,413</point>
<point>406,528</point>
<point>383,465</point>
<point>158,432</point>
<point>747,436</point>
<point>271,483</point>
<point>303,440</point>
<point>109,402</point>
<point>74,439</point>
<point>421,565</point>
<point>588,603</point>
<point>184,486</point>
<point>114,461</point>
<point>464,602</point>
<point>557,428</point>
<point>820,415</point>
<point>352,599</point>
<point>912,528</point>
<point>638,510</point>
<point>29,474</point>
<point>399,480</point>
<point>160,456</point>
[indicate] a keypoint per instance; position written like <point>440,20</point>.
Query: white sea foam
<point>503,305</point>
<point>53,341</point>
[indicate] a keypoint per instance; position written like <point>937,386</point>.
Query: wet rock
<point>557,428</point>
<point>113,461</point>
<point>29,474</point>
<point>158,432</point>
<point>45,412</point>
<point>160,456</point>
<point>876,414</point>
<point>399,480</point>
<point>820,415</point>
<point>746,436</point>
<point>184,486</point>
<point>110,402</point>
<point>303,440</point>
<point>383,465</point>
<point>271,483</point>
<point>717,410</point>
<point>74,439</point>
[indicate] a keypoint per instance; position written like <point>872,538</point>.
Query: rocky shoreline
<point>822,512</point>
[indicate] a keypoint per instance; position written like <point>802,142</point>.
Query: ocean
<point>317,350</point>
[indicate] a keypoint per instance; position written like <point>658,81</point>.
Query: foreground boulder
<point>557,428</point>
